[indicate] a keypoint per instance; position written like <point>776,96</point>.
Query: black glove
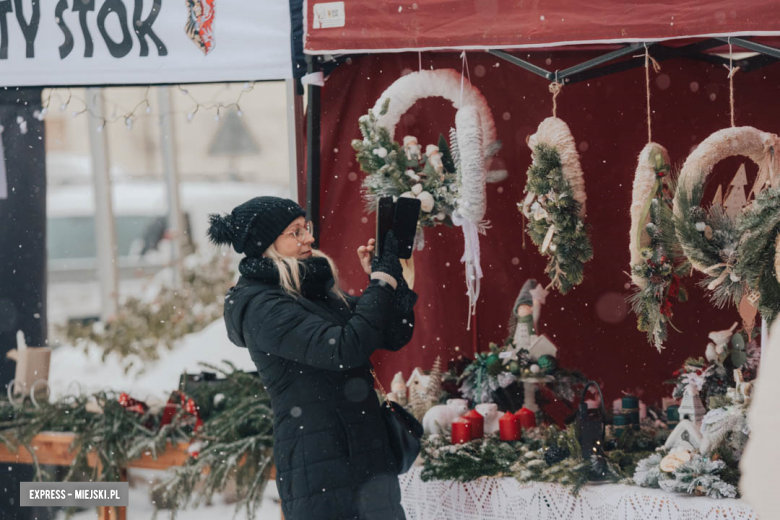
<point>388,261</point>
<point>405,298</point>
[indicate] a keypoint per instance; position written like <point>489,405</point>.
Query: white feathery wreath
<point>476,144</point>
<point>645,180</point>
<point>555,133</point>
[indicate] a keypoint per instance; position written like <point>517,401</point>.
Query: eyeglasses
<point>299,233</point>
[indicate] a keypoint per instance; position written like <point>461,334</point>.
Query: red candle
<point>526,418</point>
<point>461,431</point>
<point>508,429</point>
<point>477,423</point>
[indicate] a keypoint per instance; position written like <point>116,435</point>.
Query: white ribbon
<point>471,257</point>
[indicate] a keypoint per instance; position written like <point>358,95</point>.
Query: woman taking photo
<point>311,344</point>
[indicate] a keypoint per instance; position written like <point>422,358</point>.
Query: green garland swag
<point>569,247</point>
<point>663,267</point>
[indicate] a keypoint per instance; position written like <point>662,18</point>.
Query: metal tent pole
<point>105,231</point>
<point>171,170</point>
<point>313,129</point>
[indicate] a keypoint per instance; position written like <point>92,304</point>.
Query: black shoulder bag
<point>403,430</point>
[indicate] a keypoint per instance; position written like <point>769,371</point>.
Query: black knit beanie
<point>254,225</point>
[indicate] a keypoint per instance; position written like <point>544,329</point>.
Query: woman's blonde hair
<point>290,277</point>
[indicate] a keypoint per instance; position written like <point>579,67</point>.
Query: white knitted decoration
<point>555,133</point>
<point>645,180</point>
<point>476,142</point>
<point>446,83</point>
<point>760,147</point>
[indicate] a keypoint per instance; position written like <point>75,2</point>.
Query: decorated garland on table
<point>544,454</point>
<point>228,423</point>
<point>449,184</point>
<point>657,263</point>
<point>555,204</point>
<point>732,246</point>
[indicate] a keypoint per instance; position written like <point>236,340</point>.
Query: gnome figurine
<point>525,314</point>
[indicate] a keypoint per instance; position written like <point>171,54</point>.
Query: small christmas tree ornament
<point>735,198</point>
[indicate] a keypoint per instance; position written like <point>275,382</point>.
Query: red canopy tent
<point>592,325</point>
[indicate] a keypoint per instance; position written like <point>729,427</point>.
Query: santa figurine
<point>434,158</point>
<point>412,148</point>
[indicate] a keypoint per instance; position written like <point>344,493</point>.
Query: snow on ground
<point>72,370</point>
<point>141,508</point>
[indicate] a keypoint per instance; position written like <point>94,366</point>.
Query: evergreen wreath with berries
<point>657,263</point>
<point>555,204</point>
<point>736,251</point>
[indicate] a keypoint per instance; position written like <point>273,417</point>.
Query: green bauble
<point>492,358</point>
<point>547,363</point>
<point>514,367</point>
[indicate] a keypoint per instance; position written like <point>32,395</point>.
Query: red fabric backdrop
<point>397,25</point>
<point>592,326</point>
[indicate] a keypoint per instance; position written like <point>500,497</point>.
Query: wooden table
<point>53,448</point>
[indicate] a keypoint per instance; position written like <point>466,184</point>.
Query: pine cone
<point>556,454</point>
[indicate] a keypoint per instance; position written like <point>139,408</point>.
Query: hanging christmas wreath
<point>733,246</point>
<point>555,204</point>
<point>657,263</point>
<point>449,179</point>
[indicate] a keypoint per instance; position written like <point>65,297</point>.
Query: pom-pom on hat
<point>254,225</point>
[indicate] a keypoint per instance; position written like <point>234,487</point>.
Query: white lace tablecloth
<point>507,499</point>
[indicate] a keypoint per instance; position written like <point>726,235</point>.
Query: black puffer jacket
<point>331,448</point>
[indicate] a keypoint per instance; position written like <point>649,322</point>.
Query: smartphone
<point>407,213</point>
<point>400,216</point>
<point>384,222</point>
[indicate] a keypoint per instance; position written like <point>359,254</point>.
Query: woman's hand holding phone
<point>366,254</point>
